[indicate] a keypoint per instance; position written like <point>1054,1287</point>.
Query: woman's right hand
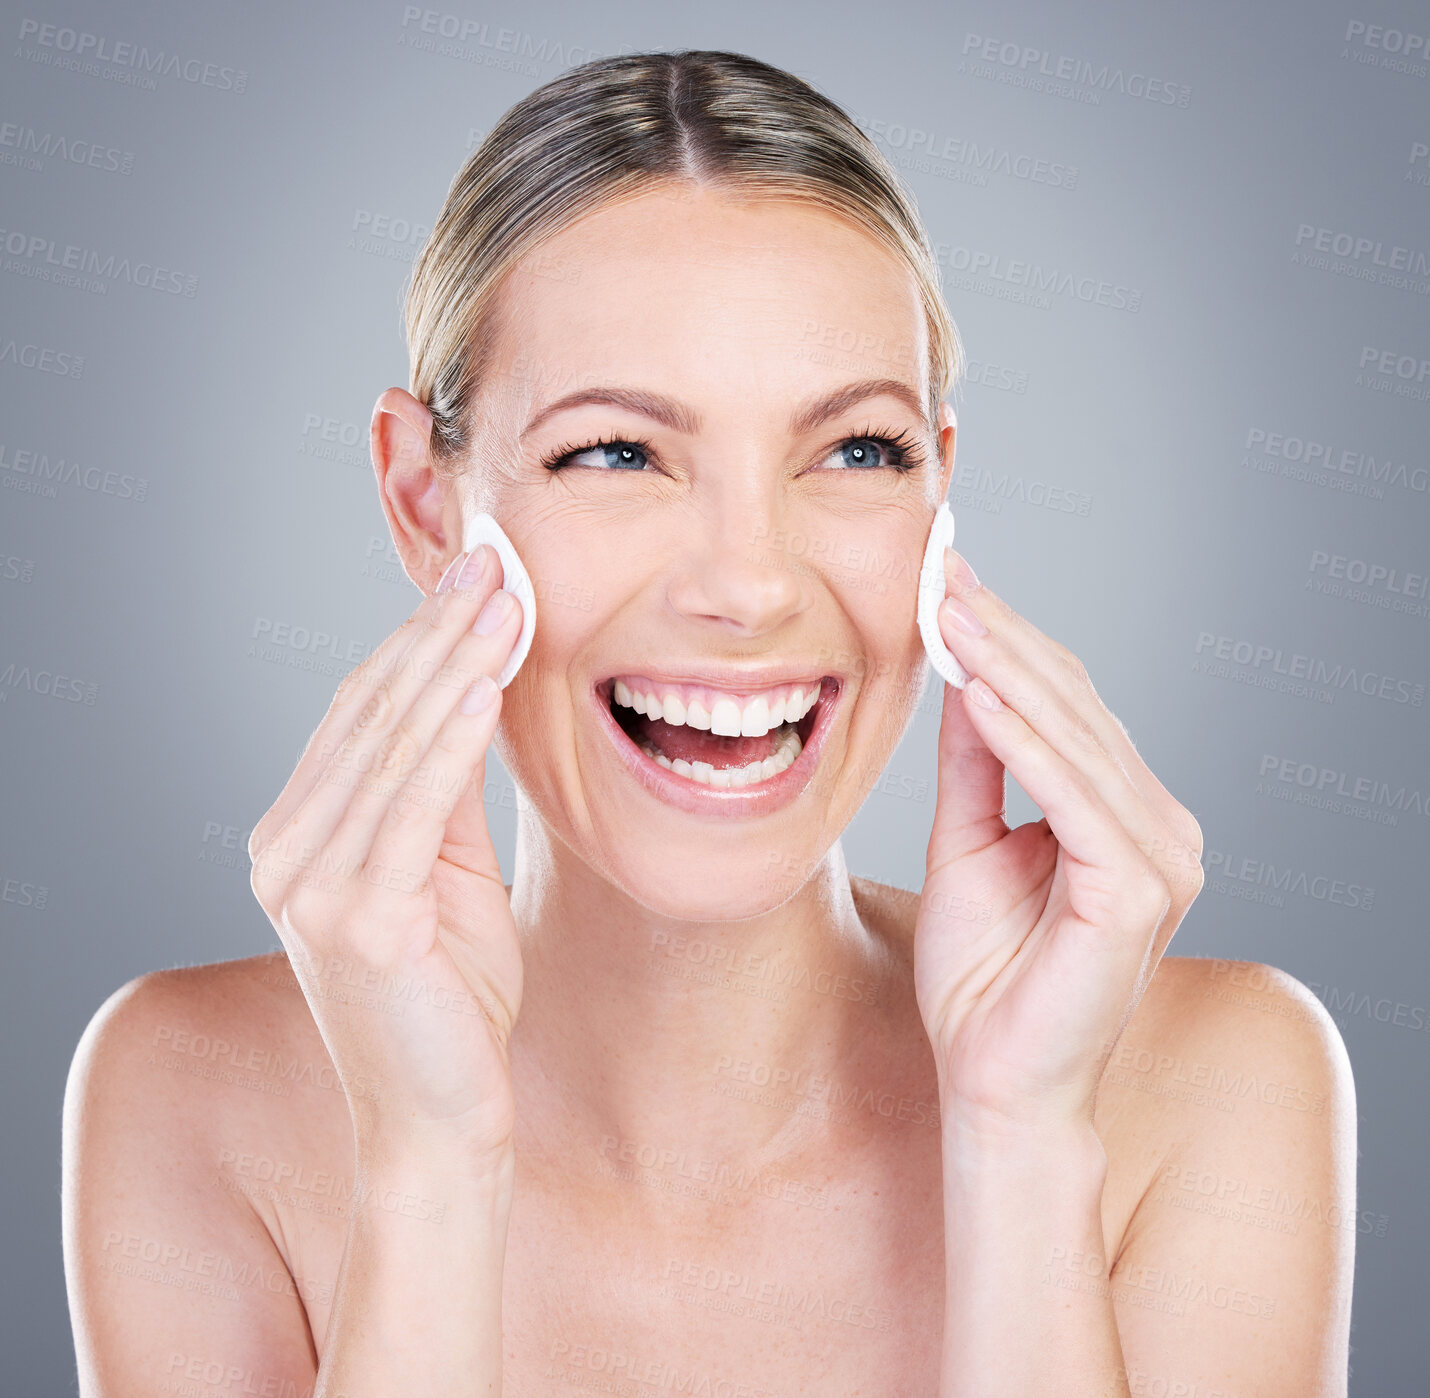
<point>377,870</point>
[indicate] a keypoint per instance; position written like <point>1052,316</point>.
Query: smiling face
<point>743,549</point>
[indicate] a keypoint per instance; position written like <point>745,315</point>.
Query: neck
<point>711,1041</point>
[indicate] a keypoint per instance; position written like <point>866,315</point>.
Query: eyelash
<point>902,446</point>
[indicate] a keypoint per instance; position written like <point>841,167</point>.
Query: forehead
<point>685,287</point>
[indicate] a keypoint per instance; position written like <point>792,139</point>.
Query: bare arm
<point>377,871</point>
<point>1234,1278</point>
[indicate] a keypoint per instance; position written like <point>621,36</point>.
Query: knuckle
<point>1192,834</point>
<point>400,751</point>
<point>1151,891</point>
<point>451,745</point>
<point>377,712</point>
<point>405,807</point>
<point>1088,737</point>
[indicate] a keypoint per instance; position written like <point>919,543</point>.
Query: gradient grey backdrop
<point>192,552</point>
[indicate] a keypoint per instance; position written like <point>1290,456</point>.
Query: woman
<point>686,1105</point>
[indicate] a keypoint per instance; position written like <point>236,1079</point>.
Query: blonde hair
<point>611,129</point>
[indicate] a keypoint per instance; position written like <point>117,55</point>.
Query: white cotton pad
<point>483,529</point>
<point>933,588</point>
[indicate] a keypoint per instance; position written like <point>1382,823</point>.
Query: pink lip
<point>726,803</point>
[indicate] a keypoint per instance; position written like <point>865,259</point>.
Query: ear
<point>422,509</point>
<point>947,432</point>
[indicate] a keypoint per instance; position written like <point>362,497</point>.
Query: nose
<point>736,569</point>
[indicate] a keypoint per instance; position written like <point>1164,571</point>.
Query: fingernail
<point>493,614</point>
<point>449,577</point>
<point>479,696</point>
<point>985,696</point>
<point>474,570</point>
<point>965,618</point>
<point>963,572</point>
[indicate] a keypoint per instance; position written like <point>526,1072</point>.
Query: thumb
<point>466,841</point>
<point>968,810</point>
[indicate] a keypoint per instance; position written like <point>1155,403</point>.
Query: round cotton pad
<point>933,588</point>
<point>483,529</point>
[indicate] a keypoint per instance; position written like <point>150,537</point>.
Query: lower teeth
<point>788,748</point>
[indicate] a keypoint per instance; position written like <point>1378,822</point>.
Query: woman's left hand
<point>1033,946</point>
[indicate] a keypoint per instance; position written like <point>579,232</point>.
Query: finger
<point>354,691</point>
<point>971,794</point>
<point>1063,672</point>
<point>412,831</point>
<point>1051,688</point>
<point>1110,882</point>
<point>409,771</point>
<point>1006,670</point>
<point>378,746</point>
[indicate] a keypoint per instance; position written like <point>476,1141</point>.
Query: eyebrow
<point>679,418</point>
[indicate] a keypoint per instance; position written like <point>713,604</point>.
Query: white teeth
<point>726,717</point>
<point>755,721</point>
<point>789,748</point>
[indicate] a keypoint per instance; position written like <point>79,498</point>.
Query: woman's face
<point>737,538</point>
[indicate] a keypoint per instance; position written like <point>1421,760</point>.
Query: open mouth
<point>725,741</point>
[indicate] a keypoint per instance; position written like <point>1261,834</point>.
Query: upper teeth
<point>726,716</point>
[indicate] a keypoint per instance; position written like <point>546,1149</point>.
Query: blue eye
<point>873,451</point>
<point>868,451</point>
<point>617,454</point>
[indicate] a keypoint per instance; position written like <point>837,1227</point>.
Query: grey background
<point>130,787</point>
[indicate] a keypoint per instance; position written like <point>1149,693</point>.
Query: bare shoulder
<point>1232,1089</point>
<point>209,1060</point>
<point>189,1032</point>
<point>178,1074</point>
<point>1240,1028</point>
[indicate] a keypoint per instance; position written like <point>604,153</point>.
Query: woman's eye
<point>617,456</point>
<point>866,453</point>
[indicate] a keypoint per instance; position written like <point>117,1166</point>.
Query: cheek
<point>875,580</point>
